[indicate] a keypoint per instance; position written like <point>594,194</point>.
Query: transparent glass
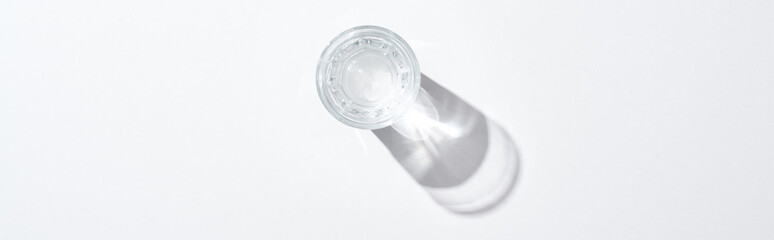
<point>369,78</point>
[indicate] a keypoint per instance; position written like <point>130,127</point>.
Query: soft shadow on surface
<point>466,162</point>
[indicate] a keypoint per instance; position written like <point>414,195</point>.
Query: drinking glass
<point>369,78</point>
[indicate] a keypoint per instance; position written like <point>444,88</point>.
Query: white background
<point>199,120</point>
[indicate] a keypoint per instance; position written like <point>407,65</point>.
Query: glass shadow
<point>466,162</point>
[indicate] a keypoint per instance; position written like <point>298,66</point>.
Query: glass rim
<point>403,101</point>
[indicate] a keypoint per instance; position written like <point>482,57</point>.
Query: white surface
<point>199,120</point>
